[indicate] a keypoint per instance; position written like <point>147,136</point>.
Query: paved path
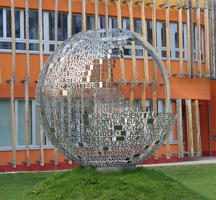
<point>202,160</point>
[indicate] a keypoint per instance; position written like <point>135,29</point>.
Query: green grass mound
<point>139,184</point>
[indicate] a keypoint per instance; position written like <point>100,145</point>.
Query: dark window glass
<point>33,24</point>
<point>149,31</point>
<point>76,24</point>
<point>17,23</point>
<point>33,47</point>
<point>138,26</point>
<point>163,34</point>
<point>127,24</point>
<point>1,22</point>
<point>102,22</point>
<point>20,46</point>
<point>194,35</point>
<point>139,52</point>
<point>90,22</point>
<point>176,34</point>
<point>114,22</point>
<point>5,45</point>
<point>8,17</point>
<point>62,26</point>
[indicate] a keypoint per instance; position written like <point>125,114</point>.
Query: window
<point>1,22</point>
<point>62,26</point>
<point>33,24</point>
<point>5,123</point>
<point>20,122</point>
<point>174,40</point>
<point>76,24</point>
<point>161,108</point>
<point>102,22</point>
<point>138,26</point>
<point>90,23</point>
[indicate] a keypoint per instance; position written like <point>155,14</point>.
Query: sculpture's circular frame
<point>115,154</point>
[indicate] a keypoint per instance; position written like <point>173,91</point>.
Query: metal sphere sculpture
<point>83,109</point>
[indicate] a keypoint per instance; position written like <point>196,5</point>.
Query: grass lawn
<point>161,183</point>
<point>14,186</point>
<point>199,178</point>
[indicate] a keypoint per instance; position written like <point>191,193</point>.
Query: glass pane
<point>5,123</point>
<point>139,52</point>
<point>127,22</point>
<point>20,46</point>
<point>1,22</point>
<point>176,35</point>
<point>62,27</point>
<point>17,23</point>
<point>138,26</point>
<point>114,22</point>
<point>90,23</point>
<point>163,33</point>
<point>149,31</point>
<point>194,36</point>
<point>21,123</point>
<point>5,45</point>
<point>33,47</point>
<point>51,26</point>
<point>102,22</point>
<point>76,24</point>
<point>33,24</point>
<point>38,129</point>
<point>8,17</point>
<point>127,52</point>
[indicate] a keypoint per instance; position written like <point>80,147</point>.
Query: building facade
<point>182,32</point>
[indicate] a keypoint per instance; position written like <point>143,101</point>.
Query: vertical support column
<point>181,66</point>
<point>69,18</point>
<point>106,14</point>
<point>168,62</point>
<point>179,128</point>
<point>41,67</point>
<point>198,38</point>
<point>154,84</point>
<point>118,6</point>
<point>188,38</point>
<point>144,34</point>
<point>207,46</point>
<point>191,38</point>
<point>69,35</point>
<point>130,7</point>
<point>96,15</point>
<point>168,36</point>
<point>12,81</point>
<point>189,128</point>
<point>213,74</point>
<point>83,15</point>
<point>196,128</point>
<point>27,83</point>
<point>55,160</point>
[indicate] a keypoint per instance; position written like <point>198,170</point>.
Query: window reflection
<point>90,23</point>
<point>62,26</point>
<point>17,23</point>
<point>1,22</point>
<point>33,24</point>
<point>76,24</point>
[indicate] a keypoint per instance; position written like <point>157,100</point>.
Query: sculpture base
<point>115,169</point>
